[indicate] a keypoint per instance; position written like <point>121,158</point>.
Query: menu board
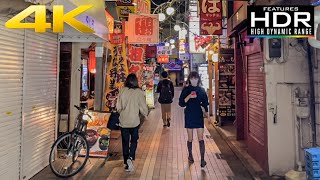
<point>98,135</point>
<point>227,88</point>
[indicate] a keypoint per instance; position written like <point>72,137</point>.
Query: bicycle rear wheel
<point>69,154</point>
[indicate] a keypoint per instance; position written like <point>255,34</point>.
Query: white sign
<point>184,57</point>
<point>164,50</point>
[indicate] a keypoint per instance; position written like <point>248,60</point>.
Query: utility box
<point>274,48</point>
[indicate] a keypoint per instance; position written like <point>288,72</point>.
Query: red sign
<point>117,38</point>
<point>151,51</point>
<point>143,26</point>
<point>144,29</point>
<point>136,54</point>
<point>163,59</point>
<point>210,17</point>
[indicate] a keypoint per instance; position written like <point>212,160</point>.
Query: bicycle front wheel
<point>69,154</point>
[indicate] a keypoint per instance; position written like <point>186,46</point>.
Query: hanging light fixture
<point>162,17</point>
<point>177,27</point>
<point>170,11</point>
<point>172,46</point>
<point>167,44</point>
<point>184,31</point>
<point>172,41</point>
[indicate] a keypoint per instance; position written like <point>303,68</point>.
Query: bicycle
<point>64,157</point>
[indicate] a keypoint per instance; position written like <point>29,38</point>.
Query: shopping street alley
<point>162,154</point>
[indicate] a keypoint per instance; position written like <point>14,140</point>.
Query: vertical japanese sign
<point>194,29</point>
<point>149,84</point>
<point>116,75</point>
<point>145,29</point>
<point>210,17</point>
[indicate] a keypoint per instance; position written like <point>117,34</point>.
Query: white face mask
<point>194,82</point>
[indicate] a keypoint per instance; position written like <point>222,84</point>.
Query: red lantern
<point>163,59</point>
<point>92,62</point>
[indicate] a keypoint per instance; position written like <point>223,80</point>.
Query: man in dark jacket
<point>166,90</point>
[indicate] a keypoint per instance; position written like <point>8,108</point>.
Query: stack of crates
<point>312,157</point>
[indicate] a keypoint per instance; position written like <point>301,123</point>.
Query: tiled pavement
<point>162,154</point>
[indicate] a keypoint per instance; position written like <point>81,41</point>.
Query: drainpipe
<point>312,99</point>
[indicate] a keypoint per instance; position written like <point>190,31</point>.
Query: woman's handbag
<point>114,123</point>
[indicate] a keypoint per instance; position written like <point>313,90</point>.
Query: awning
<point>95,18</point>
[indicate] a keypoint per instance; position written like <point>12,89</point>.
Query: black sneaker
<point>203,163</point>
<point>169,122</point>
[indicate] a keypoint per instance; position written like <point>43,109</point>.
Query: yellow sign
<point>59,18</point>
<point>124,11</point>
<point>116,75</point>
<point>110,22</point>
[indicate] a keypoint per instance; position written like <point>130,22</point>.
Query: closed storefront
<point>39,98</point>
<point>256,105</point>
<point>28,90</point>
<point>11,90</point>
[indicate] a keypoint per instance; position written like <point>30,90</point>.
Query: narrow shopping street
<point>162,154</point>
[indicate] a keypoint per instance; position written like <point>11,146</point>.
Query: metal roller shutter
<point>256,102</point>
<point>39,100</point>
<point>11,90</point>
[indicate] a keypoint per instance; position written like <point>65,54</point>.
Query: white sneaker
<point>130,164</point>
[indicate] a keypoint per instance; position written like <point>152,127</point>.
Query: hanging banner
<point>136,54</point>
<point>98,136</point>
<point>163,59</point>
<point>117,38</point>
<point>151,52</point>
<point>116,75</point>
<point>144,29</point>
<point>164,50</point>
<point>210,17</point>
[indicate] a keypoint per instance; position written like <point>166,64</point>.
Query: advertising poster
<point>116,75</point>
<point>150,97</point>
<point>98,136</point>
<point>227,85</point>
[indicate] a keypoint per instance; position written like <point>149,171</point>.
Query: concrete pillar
<point>75,83</point>
<point>99,78</point>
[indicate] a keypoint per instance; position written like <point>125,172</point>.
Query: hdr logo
<point>281,21</point>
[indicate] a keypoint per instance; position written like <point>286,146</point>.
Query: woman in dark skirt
<point>195,100</point>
